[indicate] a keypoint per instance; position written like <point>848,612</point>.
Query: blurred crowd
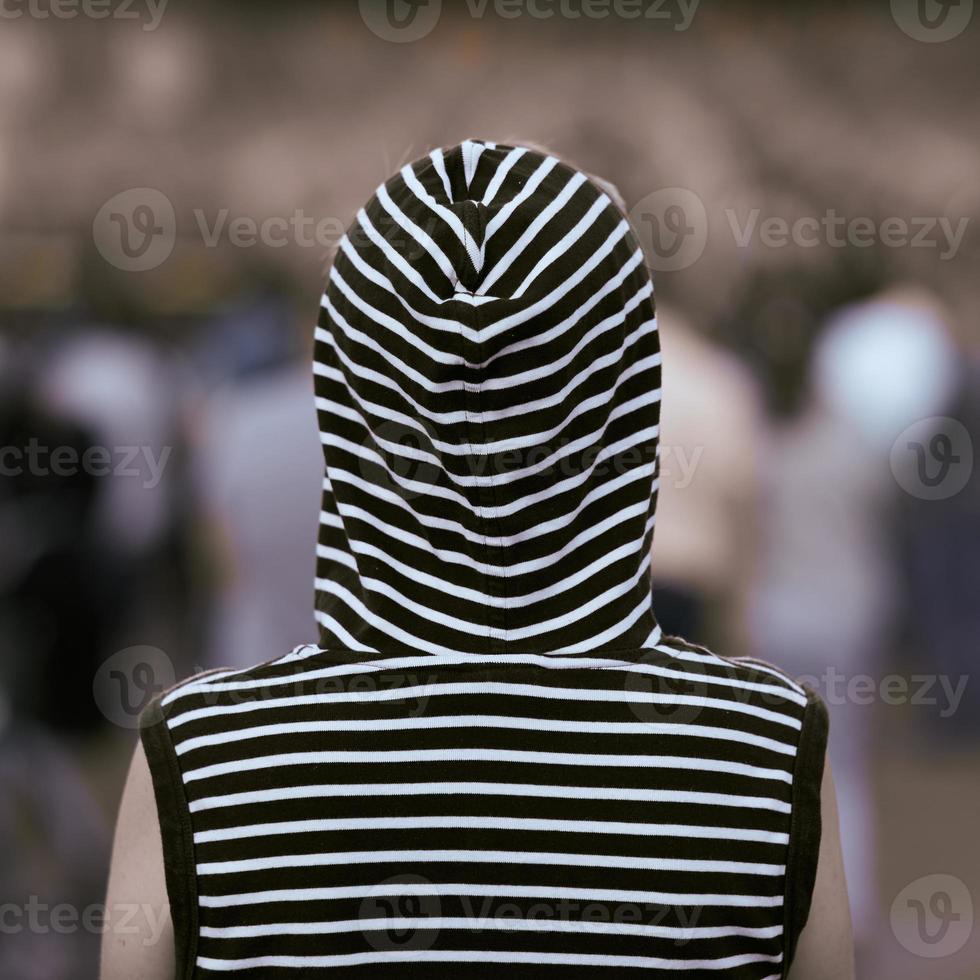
<point>160,476</point>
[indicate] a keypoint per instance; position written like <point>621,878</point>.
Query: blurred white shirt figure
<point>825,601</point>
<point>704,542</point>
<point>260,468</point>
<point>117,387</point>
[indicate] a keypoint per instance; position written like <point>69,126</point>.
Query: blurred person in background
<point>705,544</point>
<point>937,522</point>
<point>55,570</point>
<point>115,382</point>
<point>826,597</point>
<point>55,616</point>
<point>256,466</point>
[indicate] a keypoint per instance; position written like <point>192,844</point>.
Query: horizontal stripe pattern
<point>451,811</point>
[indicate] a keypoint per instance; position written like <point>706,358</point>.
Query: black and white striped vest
<point>494,764</point>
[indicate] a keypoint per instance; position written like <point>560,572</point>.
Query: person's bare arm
<point>826,947</point>
<point>138,942</point>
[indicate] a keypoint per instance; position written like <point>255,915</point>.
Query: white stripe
<point>415,692</point>
<point>192,683</point>
<point>621,828</point>
<point>471,151</point>
<point>393,256</point>
<point>440,889</point>
<point>501,172</point>
<point>550,858</point>
<point>484,956</point>
<point>530,186</point>
<point>764,668</point>
<point>562,246</point>
<point>427,723</point>
<point>445,214</point>
<point>531,232</point>
<point>483,923</point>
<point>439,162</point>
<point>420,235</point>
<point>489,789</point>
<point>517,756</point>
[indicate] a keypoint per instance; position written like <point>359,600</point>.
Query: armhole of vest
<point>176,833</point>
<point>805,825</point>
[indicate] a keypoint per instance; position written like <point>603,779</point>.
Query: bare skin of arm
<point>138,943</point>
<point>826,947</point>
<point>142,948</point>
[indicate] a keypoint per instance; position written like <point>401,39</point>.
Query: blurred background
<point>804,178</point>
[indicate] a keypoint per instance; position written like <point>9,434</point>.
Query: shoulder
<point>744,676</point>
<point>768,694</point>
<point>190,699</point>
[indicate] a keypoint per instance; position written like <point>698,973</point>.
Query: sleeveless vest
<point>494,762</point>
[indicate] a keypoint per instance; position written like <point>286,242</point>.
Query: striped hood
<point>487,373</point>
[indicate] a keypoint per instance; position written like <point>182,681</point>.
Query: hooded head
<point>487,373</point>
